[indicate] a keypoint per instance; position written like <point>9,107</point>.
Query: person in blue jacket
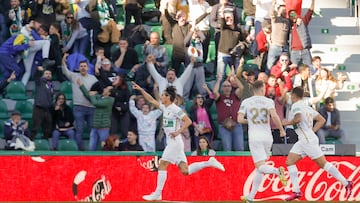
<point>10,52</point>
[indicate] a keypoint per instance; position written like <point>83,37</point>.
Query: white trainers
<point>216,164</point>
<point>152,197</point>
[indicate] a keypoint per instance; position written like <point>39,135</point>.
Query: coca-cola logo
<point>100,188</point>
<point>315,185</point>
<point>151,165</point>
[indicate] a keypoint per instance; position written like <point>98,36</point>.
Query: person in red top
<point>227,104</point>
<point>300,37</point>
<point>295,5</point>
<point>284,70</point>
<point>263,40</point>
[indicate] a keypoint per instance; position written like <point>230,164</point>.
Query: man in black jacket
<point>43,101</point>
<point>332,125</point>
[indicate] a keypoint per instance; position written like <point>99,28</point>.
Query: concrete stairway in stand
<point>336,39</point>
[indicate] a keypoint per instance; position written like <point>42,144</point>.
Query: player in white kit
<point>301,117</point>
<point>174,150</point>
<point>258,110</point>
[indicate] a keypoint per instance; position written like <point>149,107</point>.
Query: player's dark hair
<point>298,92</point>
<point>171,91</point>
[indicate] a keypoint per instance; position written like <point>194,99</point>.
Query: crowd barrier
<point>126,177</point>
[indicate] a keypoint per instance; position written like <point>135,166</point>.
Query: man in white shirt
<point>301,117</point>
<point>258,109</point>
<point>174,150</point>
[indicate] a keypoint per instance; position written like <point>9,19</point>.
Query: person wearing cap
<point>105,72</point>
<point>300,37</point>
<point>43,102</point>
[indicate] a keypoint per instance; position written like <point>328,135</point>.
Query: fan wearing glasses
<point>74,35</point>
<point>284,70</point>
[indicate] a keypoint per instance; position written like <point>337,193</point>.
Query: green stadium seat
<point>169,49</point>
<point>213,112</point>
<point>67,145</point>
<point>4,113</point>
<point>86,145</point>
<point>25,108</point>
<point>2,129</point>
<point>188,105</point>
<point>238,3</point>
<point>16,90</point>
<point>332,140</point>
<point>253,67</point>
<point>113,48</point>
<point>152,23</point>
<point>149,4</point>
<point>65,87</point>
<point>130,86</point>
<point>138,48</point>
<point>42,144</point>
<point>212,52</point>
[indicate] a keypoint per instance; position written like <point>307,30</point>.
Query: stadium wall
<point>30,177</point>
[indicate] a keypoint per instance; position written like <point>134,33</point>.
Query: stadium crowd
<point>210,51</point>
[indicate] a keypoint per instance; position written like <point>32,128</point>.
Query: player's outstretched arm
<point>146,95</point>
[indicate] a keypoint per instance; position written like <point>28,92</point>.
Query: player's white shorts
<point>174,152</point>
<point>260,150</point>
<point>311,149</point>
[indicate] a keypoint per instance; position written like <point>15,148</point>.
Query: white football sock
<point>293,172</point>
<point>197,166</point>
<point>268,169</point>
<point>256,184</point>
<point>161,179</point>
<point>328,167</point>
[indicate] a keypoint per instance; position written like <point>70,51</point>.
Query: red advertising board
<point>127,178</point>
